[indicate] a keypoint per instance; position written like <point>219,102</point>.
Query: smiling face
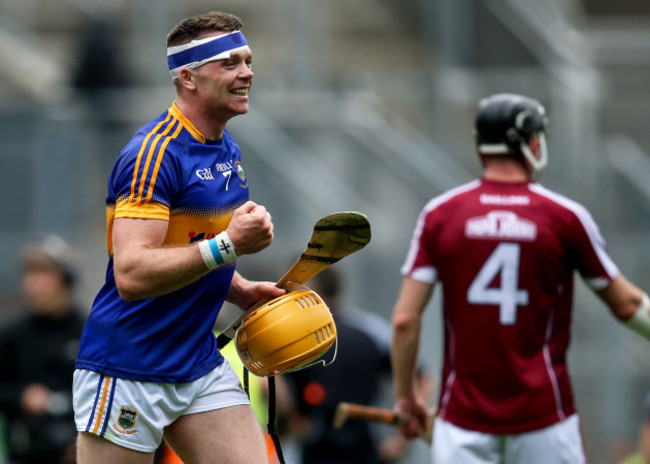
<point>222,86</point>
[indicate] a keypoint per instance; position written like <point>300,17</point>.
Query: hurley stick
<point>334,237</point>
<point>351,411</point>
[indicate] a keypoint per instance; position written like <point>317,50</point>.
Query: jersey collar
<point>194,132</point>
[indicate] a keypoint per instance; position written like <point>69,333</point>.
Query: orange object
<point>314,394</point>
<point>169,457</point>
<point>270,450</point>
<point>286,334</point>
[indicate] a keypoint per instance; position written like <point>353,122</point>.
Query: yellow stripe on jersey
<point>110,214</point>
<point>142,148</point>
<point>152,149</point>
<point>125,209</point>
<point>161,153</point>
<point>139,205</point>
<point>186,227</point>
<point>183,227</point>
<point>173,115</point>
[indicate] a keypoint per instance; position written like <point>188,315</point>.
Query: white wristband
<point>217,250</point>
<point>640,321</point>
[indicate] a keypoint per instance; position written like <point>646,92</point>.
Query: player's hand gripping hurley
<point>334,237</point>
<point>359,412</point>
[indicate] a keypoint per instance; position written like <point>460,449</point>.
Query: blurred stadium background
<point>357,105</point>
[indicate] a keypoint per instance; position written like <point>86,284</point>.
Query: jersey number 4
<point>503,262</point>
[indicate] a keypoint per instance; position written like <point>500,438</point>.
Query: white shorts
<point>133,414</point>
<point>559,443</point>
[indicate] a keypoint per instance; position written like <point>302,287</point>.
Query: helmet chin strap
<point>536,163</point>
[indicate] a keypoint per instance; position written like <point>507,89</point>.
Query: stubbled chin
<point>241,109</point>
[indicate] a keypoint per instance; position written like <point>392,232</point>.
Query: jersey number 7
<point>504,261</point>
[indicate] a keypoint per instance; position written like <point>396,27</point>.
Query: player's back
<point>505,255</point>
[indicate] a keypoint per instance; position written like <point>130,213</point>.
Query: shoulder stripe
<point>138,160</point>
<point>449,194</point>
<point>588,224</point>
<point>161,153</point>
<point>152,149</point>
<point>407,267</point>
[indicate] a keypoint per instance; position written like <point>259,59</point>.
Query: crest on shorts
<point>127,418</point>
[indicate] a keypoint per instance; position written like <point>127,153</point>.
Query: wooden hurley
<point>334,237</point>
<point>351,411</point>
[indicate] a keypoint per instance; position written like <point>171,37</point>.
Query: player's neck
<point>505,170</point>
<point>212,130</point>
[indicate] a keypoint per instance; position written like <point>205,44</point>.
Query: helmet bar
<point>537,163</point>
<point>496,149</point>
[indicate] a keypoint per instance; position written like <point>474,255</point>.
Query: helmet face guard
<point>512,125</point>
<point>287,334</point>
<point>535,152</point>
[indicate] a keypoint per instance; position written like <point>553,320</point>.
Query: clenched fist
<point>250,229</point>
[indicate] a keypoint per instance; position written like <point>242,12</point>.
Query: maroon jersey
<point>505,255</point>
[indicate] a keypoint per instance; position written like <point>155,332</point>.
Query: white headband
<point>198,52</point>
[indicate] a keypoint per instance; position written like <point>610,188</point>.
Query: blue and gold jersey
<point>167,171</point>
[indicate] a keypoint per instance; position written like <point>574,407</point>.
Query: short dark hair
<point>192,27</point>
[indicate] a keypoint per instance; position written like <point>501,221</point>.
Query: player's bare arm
<point>144,268</point>
<point>622,297</point>
<point>628,303</point>
<point>407,319</point>
<point>407,322</point>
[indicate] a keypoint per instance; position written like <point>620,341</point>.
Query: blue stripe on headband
<point>209,49</point>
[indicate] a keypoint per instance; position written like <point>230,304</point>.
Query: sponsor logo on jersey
<point>196,236</point>
<point>487,199</point>
<point>126,421</point>
<point>501,225</point>
<point>222,167</point>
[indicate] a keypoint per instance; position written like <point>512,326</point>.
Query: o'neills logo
<point>501,225</point>
<point>487,199</point>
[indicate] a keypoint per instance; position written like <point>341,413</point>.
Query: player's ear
<point>187,78</point>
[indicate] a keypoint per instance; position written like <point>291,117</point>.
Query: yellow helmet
<point>286,334</point>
